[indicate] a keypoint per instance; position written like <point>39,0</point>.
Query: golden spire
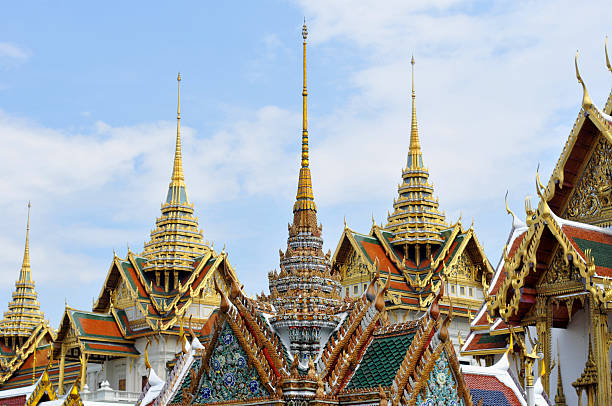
<point>24,312</point>
<point>177,172</point>
<point>304,104</point>
<point>416,218</point>
<point>177,239</point>
<point>560,396</point>
<point>414,129</point>
<point>305,196</point>
<point>25,274</point>
<point>177,193</point>
<point>415,158</point>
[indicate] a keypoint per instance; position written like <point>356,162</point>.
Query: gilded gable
<point>591,201</point>
<point>560,277</point>
<point>464,269</point>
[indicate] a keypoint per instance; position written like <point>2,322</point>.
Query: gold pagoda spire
<point>560,396</point>
<point>416,219</point>
<point>415,158</point>
<point>26,274</point>
<point>24,312</point>
<point>176,240</point>
<point>177,172</point>
<point>305,196</point>
<point>177,193</point>
<point>305,271</point>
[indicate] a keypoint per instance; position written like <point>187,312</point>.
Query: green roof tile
<point>381,362</point>
<point>602,253</point>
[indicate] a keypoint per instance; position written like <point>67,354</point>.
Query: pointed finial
<point>415,159</point>
<point>177,172</point>
<point>25,274</point>
<point>607,58</point>
<point>587,103</point>
<point>304,104</point>
<point>304,197</point>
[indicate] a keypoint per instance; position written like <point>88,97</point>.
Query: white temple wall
<point>573,348</point>
<point>160,352</point>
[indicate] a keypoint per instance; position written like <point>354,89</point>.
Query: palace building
<point>25,335</point>
<point>552,291</point>
<point>144,299</point>
<point>419,250</point>
<point>305,344</point>
<point>373,325</point>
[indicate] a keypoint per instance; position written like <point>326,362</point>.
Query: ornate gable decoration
<point>559,271</point>
<point>230,375</point>
<point>464,269</point>
<point>441,387</point>
<point>591,201</point>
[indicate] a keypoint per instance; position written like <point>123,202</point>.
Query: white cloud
<point>11,54</point>
<point>491,87</point>
<point>87,189</point>
<point>496,93</point>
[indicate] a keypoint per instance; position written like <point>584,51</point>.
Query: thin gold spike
<point>607,58</point>
<point>587,103</point>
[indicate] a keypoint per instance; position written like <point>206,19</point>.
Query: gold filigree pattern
<point>464,269</point>
<point>559,271</point>
<point>591,202</point>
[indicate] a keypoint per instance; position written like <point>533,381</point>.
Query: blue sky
<point>88,107</point>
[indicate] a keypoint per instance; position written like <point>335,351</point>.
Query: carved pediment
<point>355,266</point>
<point>559,277</point>
<point>591,201</point>
<point>464,269</point>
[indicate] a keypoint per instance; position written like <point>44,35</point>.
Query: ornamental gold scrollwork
<point>463,269</point>
<point>559,271</point>
<point>594,191</point>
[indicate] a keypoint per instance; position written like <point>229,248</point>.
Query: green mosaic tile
<point>381,362</point>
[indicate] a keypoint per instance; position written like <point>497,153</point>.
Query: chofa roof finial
<point>587,103</point>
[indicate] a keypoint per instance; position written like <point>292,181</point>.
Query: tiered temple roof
<point>302,345</point>
<point>176,241</point>
<point>417,247</point>
<point>24,313</point>
<point>415,218</point>
<point>149,293</point>
<point>364,360</point>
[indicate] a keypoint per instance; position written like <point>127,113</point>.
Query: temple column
<point>83,371</point>
<point>60,384</point>
<point>599,330</point>
<point>543,327</point>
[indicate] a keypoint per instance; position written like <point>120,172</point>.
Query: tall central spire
<point>304,105</point>
<point>304,289</point>
<point>304,199</point>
